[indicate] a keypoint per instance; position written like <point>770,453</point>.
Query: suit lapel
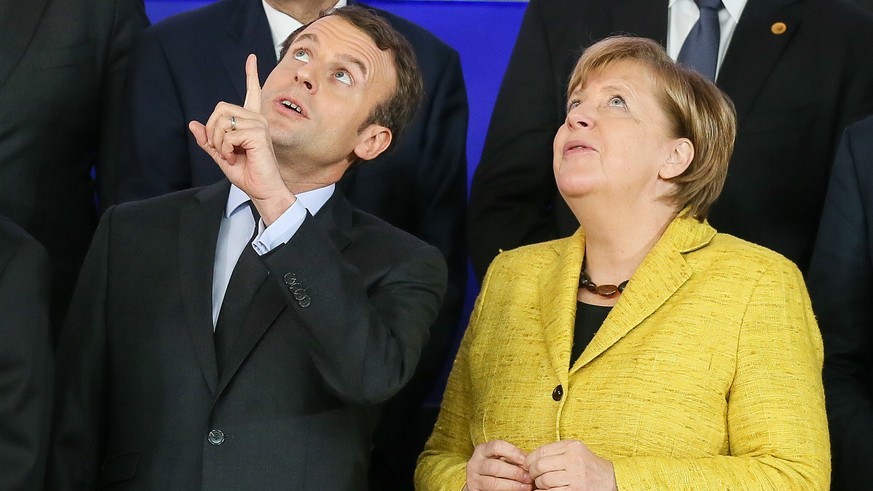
<point>754,50</point>
<point>198,232</point>
<point>661,274</point>
<point>558,287</point>
<point>644,18</point>
<point>268,302</point>
<point>334,218</point>
<point>18,24</point>
<point>249,32</point>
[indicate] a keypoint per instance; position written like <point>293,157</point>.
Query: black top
<point>589,318</point>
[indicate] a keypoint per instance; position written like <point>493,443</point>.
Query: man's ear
<point>375,139</point>
<point>680,157</point>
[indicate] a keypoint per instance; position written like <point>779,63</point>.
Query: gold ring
<point>232,123</point>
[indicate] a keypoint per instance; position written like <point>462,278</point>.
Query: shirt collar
<point>733,7</point>
<point>312,200</point>
<point>282,25</point>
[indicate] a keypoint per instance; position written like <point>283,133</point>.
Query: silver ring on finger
<point>233,123</point>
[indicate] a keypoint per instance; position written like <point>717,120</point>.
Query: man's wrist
<point>273,208</point>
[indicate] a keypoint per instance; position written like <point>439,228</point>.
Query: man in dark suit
<point>841,288</point>
<point>62,69</point>
<point>323,317</point>
<point>183,64</point>
<point>790,112</point>
<point>25,359</point>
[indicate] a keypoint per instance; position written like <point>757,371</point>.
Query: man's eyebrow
<point>307,37</point>
<point>355,61</point>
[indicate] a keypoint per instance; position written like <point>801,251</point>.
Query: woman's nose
<point>578,117</point>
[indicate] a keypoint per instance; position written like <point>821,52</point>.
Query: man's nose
<point>303,75</point>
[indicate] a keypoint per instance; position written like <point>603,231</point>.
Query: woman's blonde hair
<point>695,108</point>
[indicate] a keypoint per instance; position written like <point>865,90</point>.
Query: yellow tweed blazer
<point>705,375</point>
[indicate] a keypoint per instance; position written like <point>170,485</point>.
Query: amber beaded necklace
<point>602,290</point>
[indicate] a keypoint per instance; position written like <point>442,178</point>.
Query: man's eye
<point>301,55</point>
<point>343,76</point>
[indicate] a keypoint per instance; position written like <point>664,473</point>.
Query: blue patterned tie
<point>700,49</point>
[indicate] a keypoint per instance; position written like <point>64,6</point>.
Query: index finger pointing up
<point>253,85</point>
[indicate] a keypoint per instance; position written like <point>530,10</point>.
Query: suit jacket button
<point>306,301</point>
<point>558,393</point>
<point>299,294</point>
<point>216,437</point>
<point>290,279</point>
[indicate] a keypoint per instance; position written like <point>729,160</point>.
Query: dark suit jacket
<point>140,402</point>
<point>867,4</point>
<point>184,65</point>
<point>25,359</point>
<point>841,287</point>
<point>62,65</point>
<point>790,113</point>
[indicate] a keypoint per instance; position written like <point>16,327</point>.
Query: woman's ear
<point>375,140</point>
<point>680,157</point>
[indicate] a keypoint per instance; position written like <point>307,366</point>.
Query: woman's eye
<point>301,55</point>
<point>343,76</point>
<point>573,105</point>
<point>616,101</point>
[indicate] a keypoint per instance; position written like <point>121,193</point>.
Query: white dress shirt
<point>236,228</point>
<point>683,14</point>
<point>282,24</point>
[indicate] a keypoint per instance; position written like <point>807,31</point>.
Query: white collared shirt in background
<point>683,14</point>
<point>282,25</point>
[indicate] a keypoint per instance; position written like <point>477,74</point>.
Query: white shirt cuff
<point>281,230</point>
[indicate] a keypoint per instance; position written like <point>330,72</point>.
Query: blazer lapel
<point>16,32</point>
<point>658,277</point>
<point>644,18</point>
<point>269,301</point>
<point>755,49</point>
<point>558,288</point>
<point>250,33</point>
<point>198,231</point>
<point>335,218</point>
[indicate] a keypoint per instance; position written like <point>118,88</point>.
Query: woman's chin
<point>576,188</point>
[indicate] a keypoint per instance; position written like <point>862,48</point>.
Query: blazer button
<point>558,393</point>
<point>290,279</point>
<point>215,437</point>
<point>299,294</point>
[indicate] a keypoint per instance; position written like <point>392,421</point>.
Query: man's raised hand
<point>238,140</point>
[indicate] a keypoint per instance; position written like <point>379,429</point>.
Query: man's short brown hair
<point>396,112</point>
<point>695,108</point>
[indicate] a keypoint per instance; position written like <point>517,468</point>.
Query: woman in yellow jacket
<point>646,351</point>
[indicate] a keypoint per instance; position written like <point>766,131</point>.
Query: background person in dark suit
<point>62,69</point>
<point>25,359</point>
<point>333,320</point>
<point>790,113</point>
<point>183,65</point>
<point>841,287</point>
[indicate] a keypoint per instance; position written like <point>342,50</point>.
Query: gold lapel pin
<point>778,28</point>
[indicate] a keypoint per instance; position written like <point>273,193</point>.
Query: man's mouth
<point>292,106</point>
